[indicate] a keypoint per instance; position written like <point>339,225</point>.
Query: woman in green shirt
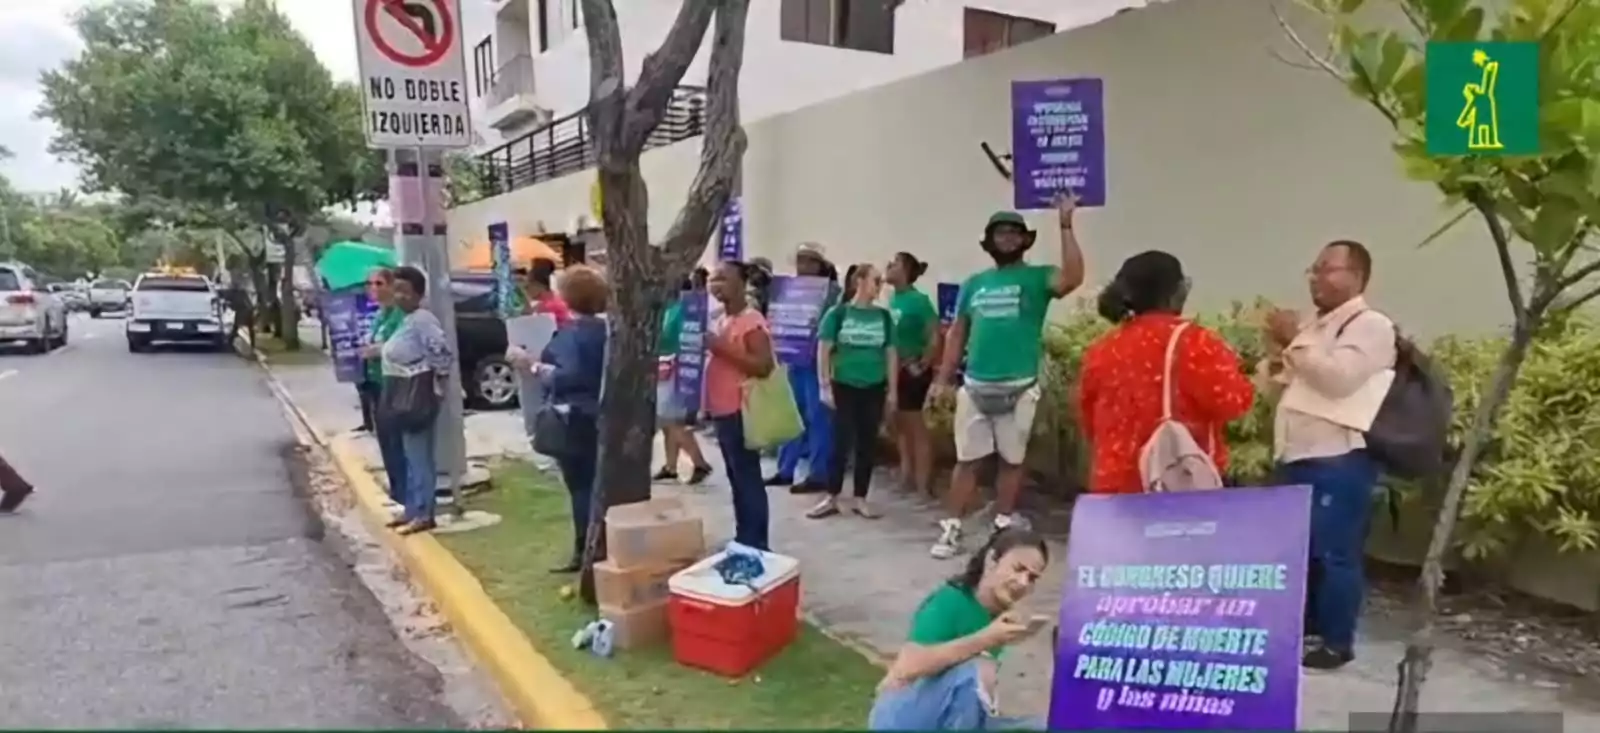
<point>857,368</point>
<point>944,676</point>
<point>917,343</point>
<point>380,287</point>
<point>672,415</point>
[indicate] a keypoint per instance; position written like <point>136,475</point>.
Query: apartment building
<point>531,69</point>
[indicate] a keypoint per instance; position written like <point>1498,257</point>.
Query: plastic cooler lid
<point>701,580</point>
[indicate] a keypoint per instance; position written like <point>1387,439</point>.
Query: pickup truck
<point>108,296</point>
<point>176,309</point>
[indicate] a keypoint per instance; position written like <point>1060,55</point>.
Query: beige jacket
<point>1331,384</point>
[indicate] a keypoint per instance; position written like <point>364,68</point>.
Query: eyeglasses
<point>375,283</point>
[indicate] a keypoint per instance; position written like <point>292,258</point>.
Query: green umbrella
<point>344,264</point>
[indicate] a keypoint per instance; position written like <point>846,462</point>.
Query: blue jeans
<point>1341,513</point>
<point>422,477</point>
<point>578,473</point>
<point>946,701</point>
<point>815,444</point>
<point>750,510</point>
<point>392,450</point>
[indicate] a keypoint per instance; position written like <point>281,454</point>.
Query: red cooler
<point>731,629</point>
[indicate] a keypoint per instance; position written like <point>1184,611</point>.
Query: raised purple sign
<point>349,315</point>
<point>1058,142</point>
<point>793,311</point>
<point>1183,612</point>
<point>688,374</point>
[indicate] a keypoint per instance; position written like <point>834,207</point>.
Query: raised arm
<point>1070,276</point>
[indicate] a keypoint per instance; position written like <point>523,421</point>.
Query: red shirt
<point>1120,388</point>
<point>551,303</point>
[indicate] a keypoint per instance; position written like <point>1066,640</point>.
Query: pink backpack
<point>1172,460</point>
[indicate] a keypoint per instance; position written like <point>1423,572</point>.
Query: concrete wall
<point>1239,164</point>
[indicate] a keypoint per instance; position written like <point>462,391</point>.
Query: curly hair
<point>585,290</point>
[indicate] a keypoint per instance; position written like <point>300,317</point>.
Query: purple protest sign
<point>688,374</point>
<point>949,295</point>
<point>1183,612</point>
<point>793,311</point>
<point>732,246</point>
<point>1058,141</point>
<point>349,316</point>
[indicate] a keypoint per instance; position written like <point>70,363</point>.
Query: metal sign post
<point>413,81</point>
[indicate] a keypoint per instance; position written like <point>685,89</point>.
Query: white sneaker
<point>949,540</point>
<point>1002,521</point>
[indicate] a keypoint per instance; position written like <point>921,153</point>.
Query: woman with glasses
<point>857,368</point>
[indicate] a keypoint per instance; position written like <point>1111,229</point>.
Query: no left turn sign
<point>413,73</point>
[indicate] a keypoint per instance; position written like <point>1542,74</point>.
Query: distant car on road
<point>177,308</point>
<point>29,313</point>
<point>108,296</point>
<point>488,378</point>
<point>72,298</point>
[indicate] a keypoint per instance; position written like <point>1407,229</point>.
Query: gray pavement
<point>168,573</point>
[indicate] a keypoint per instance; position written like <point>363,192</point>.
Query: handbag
<point>771,417</point>
<point>410,403</point>
<point>550,429</point>
<point>997,399</point>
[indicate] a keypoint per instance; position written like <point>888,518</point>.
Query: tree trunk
<point>1418,658</point>
<point>288,304</point>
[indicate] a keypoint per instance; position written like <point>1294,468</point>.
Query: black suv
<point>489,380</point>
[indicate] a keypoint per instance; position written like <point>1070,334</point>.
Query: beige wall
<point>1236,162</point>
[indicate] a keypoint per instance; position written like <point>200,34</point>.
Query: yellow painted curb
<point>539,694</point>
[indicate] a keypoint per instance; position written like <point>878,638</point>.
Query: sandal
<point>828,507</point>
<point>864,510</point>
<point>397,522</point>
<point>416,527</point>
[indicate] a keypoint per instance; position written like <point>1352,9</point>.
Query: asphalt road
<point>168,574</point>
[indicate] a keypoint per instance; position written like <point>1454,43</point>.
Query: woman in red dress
<point>1121,383</point>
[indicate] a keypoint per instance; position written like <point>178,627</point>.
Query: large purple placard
<point>1058,141</point>
<point>349,315</point>
<point>792,314</point>
<point>688,374</point>
<point>1183,612</point>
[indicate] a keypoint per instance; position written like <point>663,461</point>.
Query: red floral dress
<point>1120,389</point>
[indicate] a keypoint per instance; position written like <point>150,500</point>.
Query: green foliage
<point>464,179</point>
<point>229,113</point>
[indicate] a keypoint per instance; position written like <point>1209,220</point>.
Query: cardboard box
<point>638,627</point>
<point>630,587</point>
<point>651,533</point>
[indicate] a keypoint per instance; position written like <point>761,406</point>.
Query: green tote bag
<point>771,417</point>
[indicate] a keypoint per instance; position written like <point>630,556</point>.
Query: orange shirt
<point>1120,390</point>
<point>724,381</point>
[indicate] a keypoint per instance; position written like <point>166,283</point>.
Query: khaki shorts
<point>979,436</point>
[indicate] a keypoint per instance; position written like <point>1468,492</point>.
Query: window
<point>544,25</point>
<point>9,280</point>
<point>175,284</point>
<point>985,32</point>
<point>860,25</point>
<point>483,65</point>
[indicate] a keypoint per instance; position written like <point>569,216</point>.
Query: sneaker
<point>949,540</point>
<point>699,475</point>
<point>1003,521</point>
<point>779,481</point>
<point>665,474</point>
<point>828,507</point>
<point>1324,659</point>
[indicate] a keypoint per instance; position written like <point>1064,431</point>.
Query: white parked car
<point>177,309</point>
<point>29,313</point>
<point>108,296</point>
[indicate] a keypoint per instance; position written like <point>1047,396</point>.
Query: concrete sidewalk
<point>866,577</point>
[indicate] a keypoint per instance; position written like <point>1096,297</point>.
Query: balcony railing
<point>510,79</point>
<point>566,145</point>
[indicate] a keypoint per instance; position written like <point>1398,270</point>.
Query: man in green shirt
<point>999,326</point>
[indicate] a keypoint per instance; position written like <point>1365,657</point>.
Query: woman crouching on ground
<point>944,677</point>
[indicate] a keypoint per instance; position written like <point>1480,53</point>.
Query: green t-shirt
<point>947,614</point>
<point>860,337</point>
<point>1005,308</point>
<point>383,326</point>
<point>913,314</point>
<point>671,330</point>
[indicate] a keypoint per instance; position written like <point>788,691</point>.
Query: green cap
<point>1006,217</point>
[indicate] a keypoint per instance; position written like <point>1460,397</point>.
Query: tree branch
<point>1327,66</point>
<point>1502,248</point>
<point>662,71</point>
<point>722,147</point>
<point>1578,275</point>
<point>607,87</point>
<point>1582,299</point>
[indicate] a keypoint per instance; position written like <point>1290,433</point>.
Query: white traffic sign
<point>413,73</point>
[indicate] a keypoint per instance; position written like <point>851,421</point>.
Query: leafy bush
<point>1540,473</point>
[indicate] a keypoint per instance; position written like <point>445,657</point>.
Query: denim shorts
<point>669,407</point>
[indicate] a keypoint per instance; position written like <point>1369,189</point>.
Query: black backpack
<point>1409,437</point>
